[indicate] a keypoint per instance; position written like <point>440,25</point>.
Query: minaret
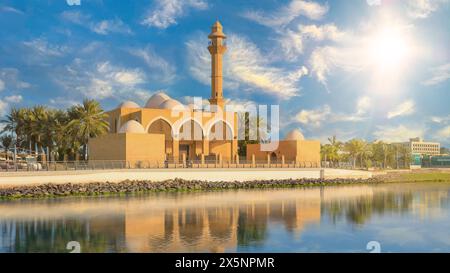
<point>216,48</point>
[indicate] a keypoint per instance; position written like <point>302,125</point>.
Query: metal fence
<point>145,164</point>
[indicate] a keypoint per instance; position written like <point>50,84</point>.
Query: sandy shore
<point>8,179</point>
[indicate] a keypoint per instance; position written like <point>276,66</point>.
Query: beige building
<point>165,131</point>
<point>418,146</point>
<point>294,149</point>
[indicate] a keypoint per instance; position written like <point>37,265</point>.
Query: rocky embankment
<point>89,189</point>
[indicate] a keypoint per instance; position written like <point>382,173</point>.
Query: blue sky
<point>374,69</point>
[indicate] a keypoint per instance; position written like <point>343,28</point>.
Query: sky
<point>372,69</point>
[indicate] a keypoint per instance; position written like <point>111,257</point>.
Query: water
<point>401,217</point>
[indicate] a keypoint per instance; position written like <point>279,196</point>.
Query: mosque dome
<point>155,100</point>
<point>172,104</point>
<point>128,104</point>
<point>294,135</point>
<point>132,126</point>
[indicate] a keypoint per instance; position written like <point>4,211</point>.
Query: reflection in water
<point>243,220</point>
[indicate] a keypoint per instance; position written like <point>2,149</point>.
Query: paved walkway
<point>29,178</point>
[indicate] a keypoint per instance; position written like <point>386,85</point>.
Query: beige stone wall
<point>108,147</point>
<point>309,151</point>
<point>255,149</point>
<point>221,147</point>
<point>147,148</point>
<point>300,151</point>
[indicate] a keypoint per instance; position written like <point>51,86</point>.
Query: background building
<point>418,146</point>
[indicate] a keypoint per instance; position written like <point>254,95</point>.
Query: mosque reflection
<point>188,222</point>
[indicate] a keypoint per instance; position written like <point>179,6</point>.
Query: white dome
<point>128,104</point>
<point>294,135</point>
<point>172,104</point>
<point>132,126</point>
<point>155,100</point>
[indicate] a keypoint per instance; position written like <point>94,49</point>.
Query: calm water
<point>401,217</point>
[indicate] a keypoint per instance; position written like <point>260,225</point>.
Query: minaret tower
<point>216,48</point>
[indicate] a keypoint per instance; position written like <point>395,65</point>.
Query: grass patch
<point>418,177</point>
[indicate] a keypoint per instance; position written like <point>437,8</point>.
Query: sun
<point>389,49</point>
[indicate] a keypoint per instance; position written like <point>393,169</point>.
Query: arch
<point>225,135</point>
<point>273,156</point>
<point>178,126</point>
<point>155,119</point>
<point>161,125</point>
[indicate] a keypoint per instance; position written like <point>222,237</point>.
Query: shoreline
<point>131,186</point>
<point>176,185</point>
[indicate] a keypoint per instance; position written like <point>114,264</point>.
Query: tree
<point>87,120</point>
<point>355,148</point>
<point>249,135</point>
<point>335,147</point>
<point>6,141</point>
<point>14,124</point>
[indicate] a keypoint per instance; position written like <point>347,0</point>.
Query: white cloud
<point>364,104</point>
<point>9,79</point>
<point>292,41</point>
<point>437,119</point>
<point>129,77</point>
<point>103,27</point>
<point>3,108</point>
<point>399,133</point>
<point>439,74</point>
<point>14,98</point>
<point>166,12</point>
<point>314,117</point>
<point>288,13</point>
<point>354,51</point>
<point>76,17</point>
<point>11,9</point>
<point>241,105</point>
<point>100,80</point>
<point>423,8</point>
<point>161,68</point>
<point>42,47</point>
<point>63,102</point>
<point>404,109</point>
<point>73,2</point>
<point>373,2</point>
<point>444,133</point>
<point>108,26</point>
<point>245,67</point>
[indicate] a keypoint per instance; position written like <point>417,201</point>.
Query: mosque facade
<point>165,131</point>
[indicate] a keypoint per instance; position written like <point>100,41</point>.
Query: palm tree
<point>354,147</point>
<point>366,153</point>
<point>38,118</point>
<point>335,147</point>
<point>6,141</point>
<point>14,124</point>
<point>88,120</point>
<point>249,135</point>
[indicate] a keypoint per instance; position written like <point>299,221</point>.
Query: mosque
<point>165,131</point>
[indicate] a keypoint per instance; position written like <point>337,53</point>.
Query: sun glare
<point>389,49</point>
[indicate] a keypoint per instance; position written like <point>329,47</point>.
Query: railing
<point>146,164</point>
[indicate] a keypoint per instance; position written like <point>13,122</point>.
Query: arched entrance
<point>190,138</point>
<point>220,138</point>
<point>273,157</point>
<point>161,126</point>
